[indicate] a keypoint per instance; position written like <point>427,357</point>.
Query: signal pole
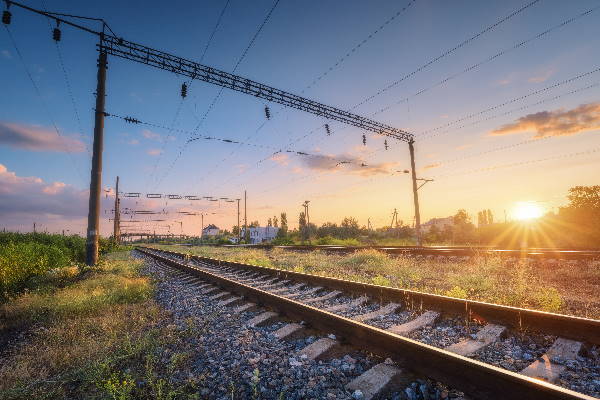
<point>93,228</point>
<point>411,148</point>
<point>117,219</point>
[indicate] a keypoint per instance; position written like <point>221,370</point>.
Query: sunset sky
<point>512,115</point>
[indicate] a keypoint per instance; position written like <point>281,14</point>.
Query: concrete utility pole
<point>411,148</point>
<point>93,228</point>
<point>117,219</point>
<point>238,221</point>
<point>245,218</point>
<point>202,231</point>
<point>34,227</point>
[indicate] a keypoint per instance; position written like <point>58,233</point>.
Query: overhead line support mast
<point>119,47</point>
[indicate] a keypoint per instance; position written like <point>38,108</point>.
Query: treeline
<point>25,258</point>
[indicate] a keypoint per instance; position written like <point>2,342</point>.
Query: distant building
<point>211,230</point>
<point>261,234</point>
<point>439,223</point>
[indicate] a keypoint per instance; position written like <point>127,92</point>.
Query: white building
<point>439,223</point>
<point>261,234</point>
<point>211,230</point>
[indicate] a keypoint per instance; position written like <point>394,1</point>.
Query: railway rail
<point>387,324</point>
<point>448,251</point>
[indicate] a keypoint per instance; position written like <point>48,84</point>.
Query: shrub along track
<point>349,310</point>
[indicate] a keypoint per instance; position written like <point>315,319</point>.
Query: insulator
<point>385,144</point>
<point>364,139</point>
<point>6,15</point>
<point>327,129</point>
<point>183,90</point>
<point>267,112</point>
<point>56,34</point>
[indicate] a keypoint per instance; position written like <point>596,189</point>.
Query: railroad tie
<point>288,289</point>
<point>307,293</point>
<point>346,306</point>
<point>232,301</point>
<point>220,296</point>
<point>427,318</point>
<point>387,309</point>
<point>245,307</point>
<point>544,368</point>
<point>327,296</point>
<point>209,290</point>
<point>263,319</point>
<point>322,348</point>
<point>289,331</point>
<point>271,284</point>
<point>483,338</point>
<point>379,380</point>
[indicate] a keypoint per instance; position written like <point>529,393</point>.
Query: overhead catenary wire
<point>216,98</point>
<point>189,85</point>
<point>473,66</point>
<point>43,102</point>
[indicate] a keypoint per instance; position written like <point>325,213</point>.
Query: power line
<point>448,52</point>
<point>521,163</point>
<point>593,85</point>
<point>178,111</point>
<point>44,105</point>
<point>216,98</point>
<point>474,66</point>
<point>491,58</point>
<point>513,100</point>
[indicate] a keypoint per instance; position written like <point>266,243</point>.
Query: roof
<point>211,226</point>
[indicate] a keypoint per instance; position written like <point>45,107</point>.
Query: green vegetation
<point>556,288</point>
<point>97,335</point>
<point>31,260</point>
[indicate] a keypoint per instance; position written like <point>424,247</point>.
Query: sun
<point>527,210</point>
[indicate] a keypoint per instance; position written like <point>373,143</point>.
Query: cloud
<point>154,152</point>
<point>584,118</point>
<point>26,197</point>
<point>431,166</point>
<point>281,159</point>
<point>133,142</point>
<point>346,163</point>
<point>6,54</point>
<point>36,138</point>
<point>150,135</point>
<point>541,77</point>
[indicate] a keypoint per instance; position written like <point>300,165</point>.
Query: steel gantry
<point>110,44</point>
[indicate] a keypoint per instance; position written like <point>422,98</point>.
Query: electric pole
<point>411,148</point>
<point>117,219</point>
<point>93,228</point>
<point>238,221</point>
<point>245,219</point>
<point>202,231</point>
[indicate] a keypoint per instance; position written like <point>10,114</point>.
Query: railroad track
<point>398,324</point>
<point>445,251</point>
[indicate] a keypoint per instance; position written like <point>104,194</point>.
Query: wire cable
<point>44,104</point>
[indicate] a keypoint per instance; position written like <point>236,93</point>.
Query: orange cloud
<point>584,118</point>
<point>431,166</point>
<point>35,138</point>
<point>153,152</point>
<point>541,77</point>
<point>346,163</point>
<point>281,159</point>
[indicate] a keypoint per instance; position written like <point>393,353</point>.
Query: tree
<point>490,217</point>
<point>284,226</point>
<point>350,228</point>
<point>254,224</point>
<point>275,221</point>
<point>463,230</point>
<point>302,225</point>
<point>235,230</point>
<point>269,222</point>
<point>582,215</point>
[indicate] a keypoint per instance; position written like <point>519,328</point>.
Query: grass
<point>98,335</point>
<point>562,288</point>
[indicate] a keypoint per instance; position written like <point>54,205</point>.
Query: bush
<point>20,263</point>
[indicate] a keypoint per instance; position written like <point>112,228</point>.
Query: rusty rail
<point>475,378</point>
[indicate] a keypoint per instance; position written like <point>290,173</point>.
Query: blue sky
<point>299,42</point>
